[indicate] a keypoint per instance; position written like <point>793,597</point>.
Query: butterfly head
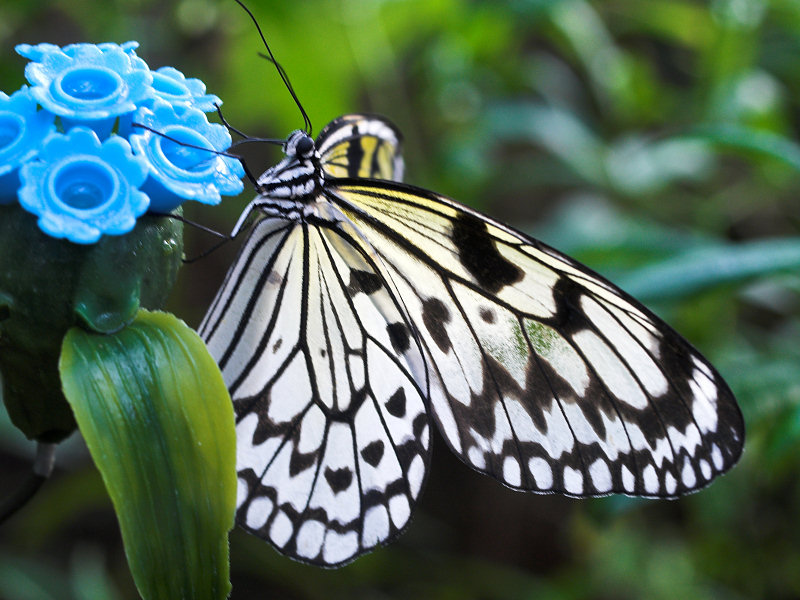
<point>299,145</point>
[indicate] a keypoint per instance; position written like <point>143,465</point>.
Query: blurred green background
<point>653,140</point>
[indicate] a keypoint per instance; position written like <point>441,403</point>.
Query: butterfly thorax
<point>299,175</point>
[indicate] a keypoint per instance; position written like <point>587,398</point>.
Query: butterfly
<point>362,311</point>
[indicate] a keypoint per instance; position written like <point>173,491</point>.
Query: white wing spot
<point>416,475</point>
<point>399,510</point>
<point>542,473</point>
<point>670,483</point>
<point>310,538</point>
<point>716,456</point>
<point>573,481</point>
<point>687,474</point>
<point>705,469</point>
<point>475,455</point>
<point>281,529</point>
<point>511,471</point>
<point>242,491</point>
<point>258,512</point>
<point>339,546</point>
<point>628,480</point>
<point>650,479</point>
<point>601,475</point>
<point>376,526</point>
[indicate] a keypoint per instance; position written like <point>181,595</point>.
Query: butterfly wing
<point>332,429</point>
<point>365,146</point>
<point>543,374</point>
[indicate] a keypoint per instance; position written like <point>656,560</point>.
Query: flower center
<point>84,185</point>
<point>183,156</point>
<point>90,84</point>
<point>10,129</point>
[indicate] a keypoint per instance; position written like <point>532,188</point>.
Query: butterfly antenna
<point>281,71</point>
<point>228,126</point>
<point>204,253</point>
<point>224,239</point>
<point>194,224</point>
<point>247,171</point>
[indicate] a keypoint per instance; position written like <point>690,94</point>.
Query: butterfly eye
<point>304,147</point>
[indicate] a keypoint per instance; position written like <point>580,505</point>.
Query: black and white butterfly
<point>361,310</point>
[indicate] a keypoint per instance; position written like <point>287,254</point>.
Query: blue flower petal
<point>22,130</point>
<point>81,189</point>
<point>182,169</point>
<point>173,86</point>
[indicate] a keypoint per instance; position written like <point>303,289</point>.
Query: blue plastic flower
<point>81,189</point>
<point>179,167</point>
<point>87,84</point>
<point>22,130</point>
<point>173,86</point>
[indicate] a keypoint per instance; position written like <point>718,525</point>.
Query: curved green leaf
<point>703,268</point>
<point>158,420</point>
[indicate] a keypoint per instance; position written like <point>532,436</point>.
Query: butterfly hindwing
<point>365,146</point>
<point>544,375</point>
<point>332,430</point>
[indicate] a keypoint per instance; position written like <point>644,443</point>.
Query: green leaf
<point>158,421</point>
<point>749,139</point>
<point>704,268</point>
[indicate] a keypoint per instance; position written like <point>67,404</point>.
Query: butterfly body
<point>361,310</point>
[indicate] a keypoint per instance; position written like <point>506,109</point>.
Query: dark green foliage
<point>49,285</point>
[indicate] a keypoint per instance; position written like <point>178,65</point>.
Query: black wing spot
<point>478,252</point>
<point>340,479</point>
<point>355,154</point>
<point>299,462</point>
<point>396,405</point>
<point>373,453</point>
<point>276,346</point>
<point>488,315</point>
<point>363,282</point>
<point>434,316</point>
<point>399,336</point>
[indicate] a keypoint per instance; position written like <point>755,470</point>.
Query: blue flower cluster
<point>72,154</point>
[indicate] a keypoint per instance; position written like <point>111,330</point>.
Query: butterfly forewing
<point>360,308</point>
<point>331,424</point>
<point>545,375</point>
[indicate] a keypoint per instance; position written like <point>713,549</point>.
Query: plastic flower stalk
<point>87,257</point>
